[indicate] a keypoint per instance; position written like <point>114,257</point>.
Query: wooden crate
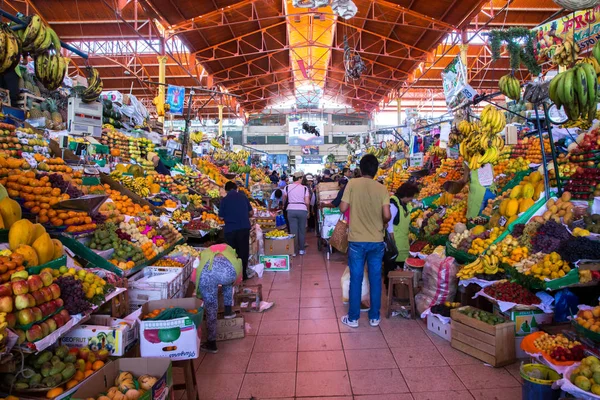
<point>493,344</point>
<point>24,99</point>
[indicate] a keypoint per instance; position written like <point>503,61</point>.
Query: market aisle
<point>299,350</point>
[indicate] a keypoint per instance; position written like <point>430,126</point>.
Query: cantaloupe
<point>44,248</point>
<point>20,233</point>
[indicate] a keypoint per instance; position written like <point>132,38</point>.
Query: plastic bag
<point>346,286</point>
<point>565,305</point>
<point>439,282</point>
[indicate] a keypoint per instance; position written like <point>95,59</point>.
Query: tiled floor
<point>299,350</point>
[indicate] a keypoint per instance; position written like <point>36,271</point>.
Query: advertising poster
<point>457,90</point>
<point>175,97</point>
<point>310,150</point>
<point>583,25</point>
<point>299,137</point>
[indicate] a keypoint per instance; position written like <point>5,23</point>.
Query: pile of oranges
<point>155,313</point>
<point>206,216</point>
<point>124,203</point>
<point>148,250</point>
<point>38,194</point>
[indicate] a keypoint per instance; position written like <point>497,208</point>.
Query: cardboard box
<point>526,322</point>
<point>186,343</point>
<point>228,329</point>
<point>279,247</point>
<point>103,332</point>
<point>435,325</point>
<point>102,380</point>
<point>276,263</point>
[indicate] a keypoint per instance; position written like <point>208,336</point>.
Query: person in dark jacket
<point>159,166</point>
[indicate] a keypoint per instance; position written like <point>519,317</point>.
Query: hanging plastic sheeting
<point>344,8</point>
<point>310,3</point>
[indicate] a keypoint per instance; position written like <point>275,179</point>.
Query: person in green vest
<point>477,192</point>
<point>400,209</point>
<point>219,266</point>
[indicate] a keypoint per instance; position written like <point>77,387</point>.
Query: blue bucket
<point>537,382</point>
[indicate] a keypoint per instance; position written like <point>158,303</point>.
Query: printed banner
<point>457,90</point>
<point>312,159</point>
<point>300,137</point>
<point>584,25</point>
<point>175,98</point>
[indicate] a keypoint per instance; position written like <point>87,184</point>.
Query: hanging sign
<point>175,98</point>
<point>486,175</point>
<point>452,152</point>
<point>457,90</point>
<point>584,25</point>
<point>313,159</point>
<point>416,160</point>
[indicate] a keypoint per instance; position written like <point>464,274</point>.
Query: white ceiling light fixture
<point>344,8</point>
<point>310,3</point>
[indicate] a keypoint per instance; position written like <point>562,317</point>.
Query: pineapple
<point>46,114</point>
<point>35,111</point>
<point>55,115</point>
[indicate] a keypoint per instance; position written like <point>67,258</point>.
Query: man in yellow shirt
<point>369,205</point>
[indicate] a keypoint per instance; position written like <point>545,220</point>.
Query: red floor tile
<point>269,385</point>
<point>319,326</point>
<point>315,292</point>
<point>497,394</point>
<point>267,344</point>
<point>272,362</point>
<point>320,342</point>
<point>402,338</point>
<point>280,314</point>
<point>313,302</point>
<point>224,363</point>
<point>431,379</point>
<point>397,396</point>
<point>456,357</point>
<point>283,294</point>
<point>321,361</point>
<point>383,381</point>
<point>364,340</point>
<point>282,302</point>
<point>370,359</point>
<point>237,346</point>
<point>316,313</point>
<point>219,386</point>
<point>328,383</point>
<point>446,395</point>
<point>422,356</point>
<point>278,328</point>
<point>483,377</point>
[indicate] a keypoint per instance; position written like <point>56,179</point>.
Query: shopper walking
<point>400,208</point>
<point>369,205</point>
<point>297,198</point>
<point>235,209</point>
<point>219,266</point>
<point>326,176</point>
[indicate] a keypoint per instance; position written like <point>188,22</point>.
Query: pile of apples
<point>32,299</point>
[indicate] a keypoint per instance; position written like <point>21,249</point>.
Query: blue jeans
<point>358,254</point>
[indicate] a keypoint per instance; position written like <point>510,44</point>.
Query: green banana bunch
<point>10,49</point>
<point>596,51</point>
<point>510,87</point>
<point>576,90</point>
<point>50,69</point>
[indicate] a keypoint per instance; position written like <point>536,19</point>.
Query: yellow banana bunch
<point>197,137</point>
<point>472,269</point>
<point>492,120</point>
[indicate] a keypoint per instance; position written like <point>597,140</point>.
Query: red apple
<point>37,313</point>
<point>55,290</point>
<point>6,289</point>
<point>11,320</point>
<point>65,314</point>
<point>45,329</point>
<point>59,320</point>
<point>35,283</point>
<point>34,333</point>
<point>21,302</point>
<point>31,299</point>
<point>46,309</point>
<point>22,336</point>
<point>58,303</point>
<point>25,317</point>
<point>39,297</point>
<point>20,287</point>
<point>47,293</point>
<point>84,353</point>
<point>46,277</point>
<point>6,304</point>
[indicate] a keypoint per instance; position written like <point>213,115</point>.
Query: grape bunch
<point>72,294</point>
<point>59,182</point>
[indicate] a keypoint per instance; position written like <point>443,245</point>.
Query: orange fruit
<point>71,384</point>
<point>88,373</point>
<point>97,365</point>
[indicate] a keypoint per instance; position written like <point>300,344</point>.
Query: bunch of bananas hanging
<point>455,136</point>
<point>596,52</point>
<point>94,88</point>
<point>50,69</point>
<point>160,106</point>
<point>592,60</point>
<point>510,87</point>
<point>10,49</point>
<point>576,91</point>
<point>482,144</point>
<point>215,143</point>
<point>536,92</point>
<point>38,37</point>
<point>378,152</point>
<point>565,54</point>
<point>197,137</point>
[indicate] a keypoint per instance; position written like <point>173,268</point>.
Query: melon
<point>20,233</point>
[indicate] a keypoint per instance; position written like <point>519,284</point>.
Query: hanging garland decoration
<point>519,53</point>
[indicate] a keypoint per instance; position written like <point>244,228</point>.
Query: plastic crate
<point>460,256</point>
<point>569,279</point>
<point>141,292</point>
<point>428,201</point>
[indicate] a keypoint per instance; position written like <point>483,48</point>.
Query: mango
<point>20,233</point>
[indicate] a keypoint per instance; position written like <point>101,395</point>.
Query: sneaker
<point>374,322</point>
<point>250,273</point>
<point>302,252</point>
<point>364,307</point>
<point>294,255</point>
<point>346,321</point>
<point>230,316</point>
<point>208,349</point>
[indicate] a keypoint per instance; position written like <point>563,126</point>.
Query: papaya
<point>3,192</point>
<point>535,177</point>
<point>29,254</point>
<point>58,249</point>
<point>155,188</point>
<point>524,205</point>
<point>503,206</point>
<point>38,230</point>
<point>512,208</point>
<point>44,248</point>
<point>527,191</point>
<point>515,193</point>
<point>20,233</point>
<point>10,211</point>
<point>2,223</point>
<point>511,220</point>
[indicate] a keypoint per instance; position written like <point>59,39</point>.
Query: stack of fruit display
<point>31,141</point>
<point>276,233</point>
<point>108,213</point>
<point>196,183</point>
<point>512,293</point>
<point>117,142</point>
<point>198,225</point>
<point>126,386</point>
<point>206,167</point>
<point>55,164</point>
<point>94,286</point>
<point>587,375</point>
<point>482,316</point>
<point>33,305</point>
<point>124,204</point>
<point>589,319</point>
<point>454,215</point>
<point>32,242</point>
<point>530,149</point>
<point>482,143</point>
<point>445,199</point>
<point>179,216</point>
<point>168,183</point>
<point>10,262</point>
<point>10,145</point>
<point>559,347</point>
<point>515,165</point>
<point>396,176</point>
<point>551,266</point>
<point>576,89</point>
<point>140,185</point>
<point>212,220</point>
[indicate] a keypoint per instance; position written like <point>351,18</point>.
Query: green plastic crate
<point>54,264</point>
<point>460,256</point>
<point>569,279</point>
<point>514,181</point>
<point>428,201</point>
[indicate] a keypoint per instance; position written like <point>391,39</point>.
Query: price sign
<point>442,212</point>
<point>443,174</point>
<point>502,221</point>
<point>486,175</point>
<point>416,160</point>
<point>30,160</point>
<point>452,152</point>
